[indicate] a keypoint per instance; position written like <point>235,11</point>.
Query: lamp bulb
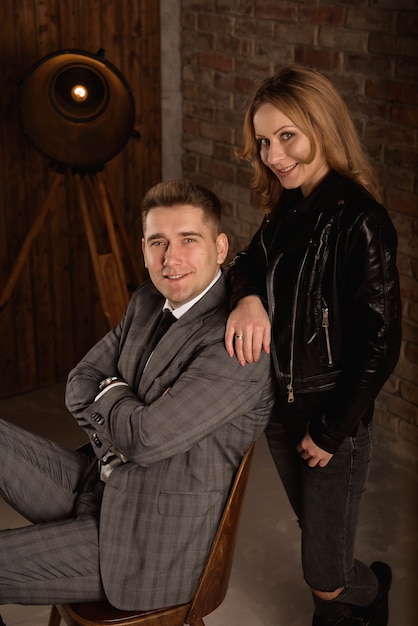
<point>79,93</point>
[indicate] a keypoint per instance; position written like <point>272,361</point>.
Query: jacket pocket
<point>187,504</point>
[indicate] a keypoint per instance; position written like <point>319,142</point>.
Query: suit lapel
<point>179,335</point>
<point>174,340</point>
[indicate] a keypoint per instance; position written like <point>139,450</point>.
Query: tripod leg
<point>113,293</point>
<point>30,237</point>
<point>110,228</point>
<point>133,262</point>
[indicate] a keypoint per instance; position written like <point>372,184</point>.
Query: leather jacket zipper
<point>289,387</point>
<point>325,326</point>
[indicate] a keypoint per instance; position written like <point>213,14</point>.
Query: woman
<point>320,277</point>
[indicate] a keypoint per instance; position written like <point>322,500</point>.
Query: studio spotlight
<point>76,109</point>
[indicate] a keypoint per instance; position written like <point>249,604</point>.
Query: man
<point>168,425</point>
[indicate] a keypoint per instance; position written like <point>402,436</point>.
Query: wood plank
<point>54,313</point>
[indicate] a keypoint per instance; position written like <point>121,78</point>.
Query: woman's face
<point>284,149</point>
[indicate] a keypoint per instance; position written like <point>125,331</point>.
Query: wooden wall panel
<point>54,314</point>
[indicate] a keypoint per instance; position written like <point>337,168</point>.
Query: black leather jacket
<point>332,292</point>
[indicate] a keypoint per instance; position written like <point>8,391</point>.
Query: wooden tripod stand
<point>110,268</point>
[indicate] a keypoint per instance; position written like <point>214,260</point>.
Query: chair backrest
<point>213,585</point>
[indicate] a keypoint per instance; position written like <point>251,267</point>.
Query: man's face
<point>182,251</point>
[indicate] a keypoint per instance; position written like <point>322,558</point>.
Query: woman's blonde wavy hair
<point>316,108</point>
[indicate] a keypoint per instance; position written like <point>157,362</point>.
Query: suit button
<point>97,441</point>
<point>99,419</point>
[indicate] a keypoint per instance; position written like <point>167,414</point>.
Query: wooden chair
<point>209,593</point>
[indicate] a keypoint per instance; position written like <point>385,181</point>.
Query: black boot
<point>1,622</point>
<point>376,613</point>
<point>341,621</point>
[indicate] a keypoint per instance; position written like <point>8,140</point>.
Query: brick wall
<point>369,49</point>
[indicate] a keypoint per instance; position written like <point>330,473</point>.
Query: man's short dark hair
<point>182,191</point>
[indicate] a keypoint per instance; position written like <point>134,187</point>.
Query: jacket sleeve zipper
<point>325,326</point>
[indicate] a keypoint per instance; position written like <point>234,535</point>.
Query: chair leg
<point>54,617</point>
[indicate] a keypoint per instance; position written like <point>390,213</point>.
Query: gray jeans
<point>326,501</point>
<point>55,558</point>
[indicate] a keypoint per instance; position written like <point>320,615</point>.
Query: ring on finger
<point>239,336</point>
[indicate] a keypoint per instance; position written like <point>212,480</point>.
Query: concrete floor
<point>266,587</point>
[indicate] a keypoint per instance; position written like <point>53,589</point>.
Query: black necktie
<point>166,319</point>
<point>164,323</point>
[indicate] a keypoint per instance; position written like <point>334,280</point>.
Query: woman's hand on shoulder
<point>248,330</point>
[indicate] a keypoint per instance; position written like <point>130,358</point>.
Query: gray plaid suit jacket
<point>161,508</point>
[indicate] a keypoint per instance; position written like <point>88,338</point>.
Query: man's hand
<point>311,453</point>
<point>248,330</point>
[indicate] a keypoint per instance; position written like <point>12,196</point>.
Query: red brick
<point>414,269</point>
<point>197,40</point>
<point>404,178</point>
<point>254,29</point>
<point>386,44</point>
<point>238,7</point>
<point>413,312</point>
<point>321,59</point>
<point>199,110</point>
<point>398,406</point>
<point>352,3</point>
<point>402,158</point>
<point>191,126</point>
<point>220,62</point>
<point>199,145</point>
<point>252,67</point>
<point>197,5</point>
<point>244,85</point>
<point>401,200</point>
<point>214,23</point>
<point>275,11</point>
<point>409,290</point>
<point>189,91</point>
<point>219,170</point>
<point>409,432</point>
<point>225,82</point>
<point>410,333</point>
<point>295,33</point>
<point>408,22</point>
<point>409,392</point>
<point>188,19</point>
<point>406,69</point>
<point>225,42</point>
<point>362,106</point>
<point>198,74</point>
<point>322,15</point>
<point>342,39</point>
<point>371,19</point>
<point>227,117</point>
<point>368,64</point>
<point>411,352</point>
<point>217,132</point>
<point>396,91</point>
<point>190,162</point>
<point>404,115</point>
<point>267,51</point>
<point>213,96</point>
<point>389,134</point>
